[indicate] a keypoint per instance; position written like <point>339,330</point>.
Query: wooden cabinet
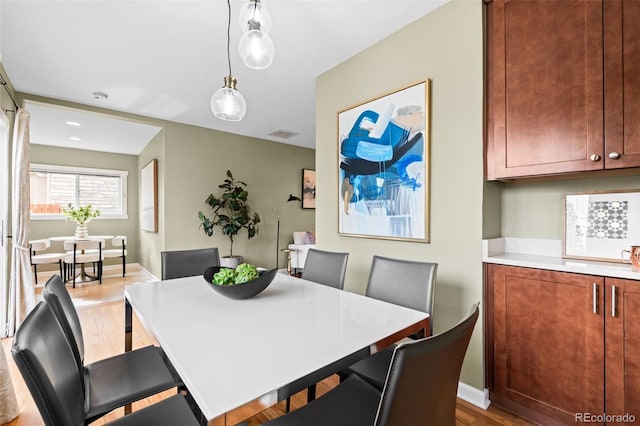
<point>553,104</point>
<point>548,352</point>
<point>555,346</point>
<point>622,83</point>
<point>622,342</point>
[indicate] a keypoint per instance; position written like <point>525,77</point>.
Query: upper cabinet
<point>622,83</point>
<point>562,86</point>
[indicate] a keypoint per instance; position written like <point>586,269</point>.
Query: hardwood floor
<point>101,312</point>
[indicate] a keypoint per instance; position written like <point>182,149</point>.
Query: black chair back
<point>422,382</point>
<point>55,293</point>
<point>46,361</point>
<point>403,282</point>
<point>188,263</point>
<point>325,267</point>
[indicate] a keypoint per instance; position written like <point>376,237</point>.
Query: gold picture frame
<point>384,166</point>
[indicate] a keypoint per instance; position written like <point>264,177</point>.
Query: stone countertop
<point>547,254</point>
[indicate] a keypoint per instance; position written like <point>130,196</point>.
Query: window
<point>53,188</point>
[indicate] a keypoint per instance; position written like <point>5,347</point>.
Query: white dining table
<point>234,353</point>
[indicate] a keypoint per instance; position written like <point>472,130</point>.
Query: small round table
<point>83,277</point>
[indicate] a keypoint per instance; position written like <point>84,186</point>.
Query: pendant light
<point>256,48</point>
<point>254,11</point>
<point>227,103</point>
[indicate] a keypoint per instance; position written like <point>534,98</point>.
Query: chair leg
<point>35,273</point>
<point>100,272</point>
<point>60,265</point>
<point>287,406</point>
<point>74,274</point>
<point>311,393</point>
<point>123,265</point>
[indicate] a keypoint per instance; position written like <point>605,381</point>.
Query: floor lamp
<point>291,198</point>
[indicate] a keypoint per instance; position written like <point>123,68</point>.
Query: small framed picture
<point>599,225</point>
<point>308,189</point>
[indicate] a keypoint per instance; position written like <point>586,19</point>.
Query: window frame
<point>52,168</point>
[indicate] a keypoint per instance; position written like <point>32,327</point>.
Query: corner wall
<point>447,47</point>
<point>196,162</point>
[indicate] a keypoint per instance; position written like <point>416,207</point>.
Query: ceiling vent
<point>282,134</point>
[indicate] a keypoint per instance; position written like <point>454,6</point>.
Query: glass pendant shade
<point>254,15</point>
<point>256,49</point>
<point>227,103</point>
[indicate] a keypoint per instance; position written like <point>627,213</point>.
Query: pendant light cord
<point>229,35</point>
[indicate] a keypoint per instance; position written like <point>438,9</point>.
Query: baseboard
<point>474,396</point>
<point>147,272</point>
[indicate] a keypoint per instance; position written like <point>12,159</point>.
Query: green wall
<point>43,154</point>
<point>192,162</point>
<point>445,46</point>
<point>535,209</point>
<point>152,243</point>
<point>196,162</point>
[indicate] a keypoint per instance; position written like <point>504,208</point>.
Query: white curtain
<point>21,288</point>
<point>8,402</point>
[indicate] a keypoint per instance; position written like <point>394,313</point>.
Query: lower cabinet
<point>561,347</point>
<point>622,344</point>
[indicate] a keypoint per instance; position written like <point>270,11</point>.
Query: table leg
<point>128,335</point>
<point>128,325</point>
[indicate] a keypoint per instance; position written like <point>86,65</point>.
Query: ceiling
<point>164,59</point>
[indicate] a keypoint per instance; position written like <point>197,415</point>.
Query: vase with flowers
<point>81,216</point>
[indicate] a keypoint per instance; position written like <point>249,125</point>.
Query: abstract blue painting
<point>383,166</point>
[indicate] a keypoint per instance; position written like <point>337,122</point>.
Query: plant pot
<point>81,230</point>
<point>230,262</point>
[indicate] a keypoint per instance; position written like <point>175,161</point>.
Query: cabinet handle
<point>595,157</point>
<point>614,155</point>
<point>613,301</point>
<point>595,298</point>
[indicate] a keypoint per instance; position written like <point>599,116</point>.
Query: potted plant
<point>81,216</point>
<point>232,214</point>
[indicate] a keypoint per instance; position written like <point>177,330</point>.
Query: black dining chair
<point>115,381</point>
<point>420,388</point>
<point>402,282</point>
<point>47,363</point>
<point>188,263</point>
<point>325,267</point>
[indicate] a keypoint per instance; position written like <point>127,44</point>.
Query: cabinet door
<point>547,343</point>
<point>622,83</point>
<point>546,97</point>
<point>622,342</point>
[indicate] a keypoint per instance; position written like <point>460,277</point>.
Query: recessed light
<point>74,123</point>
<point>100,96</point>
<point>73,138</point>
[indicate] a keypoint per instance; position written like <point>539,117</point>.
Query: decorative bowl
<point>243,290</point>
